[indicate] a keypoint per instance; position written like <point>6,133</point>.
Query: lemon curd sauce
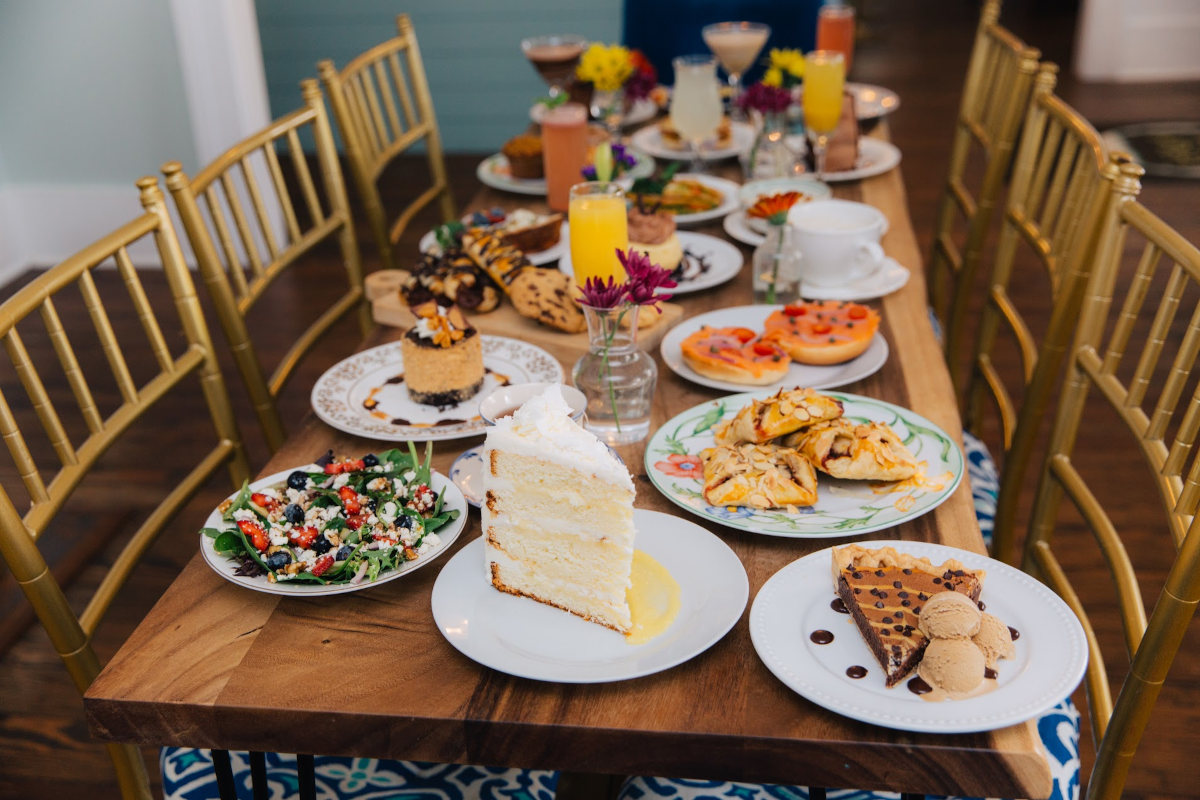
<point>653,599</point>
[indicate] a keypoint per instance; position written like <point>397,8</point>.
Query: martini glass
<point>554,57</point>
<point>736,45</point>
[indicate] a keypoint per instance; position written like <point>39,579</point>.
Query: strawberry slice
<point>349,499</point>
<point>255,533</point>
<point>795,311</point>
<point>322,565</point>
<point>264,502</point>
<point>355,521</point>
<point>303,537</point>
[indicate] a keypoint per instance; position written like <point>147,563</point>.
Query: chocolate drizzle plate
<point>795,603</point>
<point>365,394</point>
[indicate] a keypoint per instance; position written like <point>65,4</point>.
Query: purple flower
<point>602,294</point>
<point>622,158</point>
<point>644,279</point>
<point>589,172</point>
<point>766,99</point>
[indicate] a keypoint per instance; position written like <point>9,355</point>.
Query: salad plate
<point>339,396</point>
<point>495,172</point>
<point>843,508</point>
<point>523,637</point>
<point>649,139</point>
<point>753,317</point>
<point>1051,649</point>
<point>354,562</point>
<point>707,262</point>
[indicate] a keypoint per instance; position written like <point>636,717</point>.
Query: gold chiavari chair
<point>383,107</point>
<point>999,77</point>
<point>237,283</point>
<point>1140,357</point>
<point>1052,215</point>
<point>48,487</point>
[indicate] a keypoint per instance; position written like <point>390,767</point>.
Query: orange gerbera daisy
<point>773,208</point>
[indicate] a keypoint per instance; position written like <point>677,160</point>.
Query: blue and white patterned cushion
<point>985,484</point>
<point>1059,729</point>
<point>187,774</point>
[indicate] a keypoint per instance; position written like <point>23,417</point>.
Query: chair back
<point>382,106</point>
<point>995,93</point>
<point>93,418</point>
<point>1141,359</point>
<point>1051,220</point>
<point>240,262</point>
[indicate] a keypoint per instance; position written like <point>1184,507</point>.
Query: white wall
<point>1138,40</point>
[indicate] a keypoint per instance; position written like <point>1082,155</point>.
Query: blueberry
<point>293,513</point>
<point>370,460</point>
<point>372,504</point>
<point>297,480</point>
<point>325,459</point>
<point>343,553</point>
<point>278,560</point>
<point>404,521</point>
<point>321,545</point>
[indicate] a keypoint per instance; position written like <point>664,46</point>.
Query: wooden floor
<point>919,48</point>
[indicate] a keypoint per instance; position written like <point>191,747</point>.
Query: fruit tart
<point>844,448</point>
<point>757,476</point>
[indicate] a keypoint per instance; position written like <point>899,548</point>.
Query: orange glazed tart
<point>822,331</point>
<point>736,355</point>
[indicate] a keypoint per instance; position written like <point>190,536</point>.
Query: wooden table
<point>215,665</point>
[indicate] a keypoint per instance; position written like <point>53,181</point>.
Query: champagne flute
<point>824,81</point>
<point>695,102</point>
<point>555,58</point>
<point>736,45</point>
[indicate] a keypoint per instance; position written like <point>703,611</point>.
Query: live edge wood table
<point>214,665</point>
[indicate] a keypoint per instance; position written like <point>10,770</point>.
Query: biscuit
<point>547,296</point>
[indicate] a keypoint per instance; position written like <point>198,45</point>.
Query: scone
<point>786,411</point>
<point>845,449</point>
<point>757,476</point>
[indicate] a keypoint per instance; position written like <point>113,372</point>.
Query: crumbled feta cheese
<point>388,512</point>
<point>341,480</point>
<point>409,476</point>
<point>378,484</point>
<point>295,495</point>
<point>278,539</point>
<point>372,520</point>
<point>245,513</point>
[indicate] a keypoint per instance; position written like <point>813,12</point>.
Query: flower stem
<point>771,298</point>
<point>609,335</point>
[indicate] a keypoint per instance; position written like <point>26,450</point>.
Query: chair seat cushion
<point>985,484</point>
<point>187,774</point>
<point>1058,728</point>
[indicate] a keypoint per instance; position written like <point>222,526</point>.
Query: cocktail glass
<point>824,81</point>
<point>695,102</point>
<point>736,45</point>
<point>555,58</point>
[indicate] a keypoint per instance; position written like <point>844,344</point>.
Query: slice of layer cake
<point>884,590</point>
<point>558,513</point>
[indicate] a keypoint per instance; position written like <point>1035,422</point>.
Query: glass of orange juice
<point>598,226</point>
<point>824,81</point>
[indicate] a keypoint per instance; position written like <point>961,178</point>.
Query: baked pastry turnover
<point>787,411</point>
<point>846,449</point>
<point>757,476</point>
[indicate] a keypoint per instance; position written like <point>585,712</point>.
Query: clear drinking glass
<point>824,81</point>
<point>835,30</point>
<point>736,45</point>
<point>555,58</point>
<point>599,226</point>
<point>695,102</point>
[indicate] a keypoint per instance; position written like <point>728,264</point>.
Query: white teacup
<point>504,400</point>
<point>838,240</point>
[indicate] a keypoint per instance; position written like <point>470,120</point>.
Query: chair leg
<point>911,796</point>
<point>224,772</point>
<point>258,776</point>
<point>307,773</point>
<point>816,793</point>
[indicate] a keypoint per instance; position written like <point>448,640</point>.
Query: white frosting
<point>543,428</point>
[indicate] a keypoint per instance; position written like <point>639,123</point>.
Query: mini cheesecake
<point>443,357</point>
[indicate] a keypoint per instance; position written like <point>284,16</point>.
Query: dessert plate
<point>870,101</point>
<point>338,396</point>
<point>448,533</point>
<point>494,171</point>
<point>729,199</point>
<point>843,508</point>
<point>1050,659</point>
<point>753,317</point>
<point>723,259</point>
<point>649,139</point>
<point>875,157</point>
<point>529,639</point>
<point>737,225</point>
<point>429,244</point>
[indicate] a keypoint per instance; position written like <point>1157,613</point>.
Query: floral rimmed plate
<point>843,508</point>
<point>340,396</point>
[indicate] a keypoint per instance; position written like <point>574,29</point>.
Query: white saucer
<point>890,277</point>
<point>737,225</point>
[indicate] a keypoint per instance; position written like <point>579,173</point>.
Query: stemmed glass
<point>554,57</point>
<point>824,80</point>
<point>695,102</point>
<point>736,45</point>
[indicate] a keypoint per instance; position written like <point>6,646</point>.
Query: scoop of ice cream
<point>994,640</point>
<point>955,665</point>
<point>949,615</point>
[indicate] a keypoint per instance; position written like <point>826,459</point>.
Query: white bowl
<point>811,188</point>
<point>504,400</point>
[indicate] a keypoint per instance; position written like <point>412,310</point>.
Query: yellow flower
<point>607,67</point>
<point>773,77</point>
<point>789,64</point>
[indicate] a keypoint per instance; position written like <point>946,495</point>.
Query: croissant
<point>757,476</point>
<point>845,449</point>
<point>786,411</point>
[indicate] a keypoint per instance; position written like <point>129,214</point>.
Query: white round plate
<point>467,474</point>
<point>729,201</point>
<point>453,499</point>
<point>337,397</point>
<point>494,171</point>
<point>843,508</point>
<point>737,225</point>
<point>1050,660</point>
<point>875,157</point>
<point>890,277</point>
<point>725,261</point>
<point>753,317</point>
<point>523,637</point>
<point>650,140</point>
<point>429,244</point>
<point>871,102</point>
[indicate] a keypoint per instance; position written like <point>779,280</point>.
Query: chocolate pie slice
<point>884,590</point>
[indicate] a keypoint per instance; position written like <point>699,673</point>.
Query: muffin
<point>524,154</point>
<point>443,357</point>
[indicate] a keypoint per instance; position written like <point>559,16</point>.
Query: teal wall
<point>482,86</point>
<point>92,91</point>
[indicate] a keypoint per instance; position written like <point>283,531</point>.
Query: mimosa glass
<point>598,227</point>
<point>695,102</point>
<point>555,58</point>
<point>824,81</point>
<point>736,45</point>
<point>564,151</point>
<point>835,30</point>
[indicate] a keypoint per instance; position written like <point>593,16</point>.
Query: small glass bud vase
<point>769,156</point>
<point>608,108</point>
<point>615,376</point>
<point>776,264</point>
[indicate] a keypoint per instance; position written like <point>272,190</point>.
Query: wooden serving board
<point>389,309</point>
